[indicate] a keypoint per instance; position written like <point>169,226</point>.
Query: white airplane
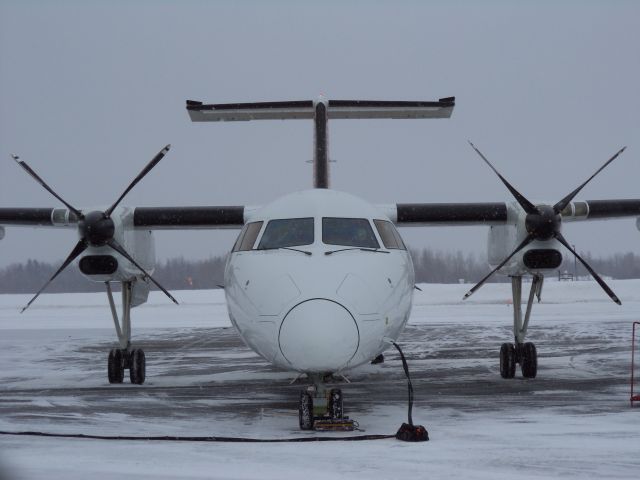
<point>318,281</point>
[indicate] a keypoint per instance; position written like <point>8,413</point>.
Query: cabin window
<point>289,232</point>
<point>247,237</point>
<point>351,232</point>
<point>389,235</point>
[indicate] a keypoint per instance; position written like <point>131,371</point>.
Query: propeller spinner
<point>96,228</point>
<point>543,223</point>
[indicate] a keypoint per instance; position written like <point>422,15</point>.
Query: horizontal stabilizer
<point>390,109</point>
<point>230,112</point>
<point>305,109</point>
<point>320,111</point>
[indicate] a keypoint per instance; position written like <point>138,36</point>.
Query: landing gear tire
<point>137,366</point>
<point>335,409</point>
<point>507,360</point>
<point>529,360</point>
<point>305,411</point>
<point>115,366</point>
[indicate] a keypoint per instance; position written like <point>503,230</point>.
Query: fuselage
<point>317,281</point>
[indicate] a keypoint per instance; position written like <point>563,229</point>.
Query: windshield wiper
<point>375,250</point>
<point>287,248</point>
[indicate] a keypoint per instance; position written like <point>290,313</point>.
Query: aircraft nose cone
<point>319,336</point>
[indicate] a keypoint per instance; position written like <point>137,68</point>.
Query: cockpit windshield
<point>350,232</point>
<point>389,235</point>
<point>247,237</point>
<point>289,232</point>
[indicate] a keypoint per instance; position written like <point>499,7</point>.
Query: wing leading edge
<point>172,218</point>
<point>403,214</point>
<point>460,214</point>
<point>151,218</point>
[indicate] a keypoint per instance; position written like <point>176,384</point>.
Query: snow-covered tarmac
<point>573,421</point>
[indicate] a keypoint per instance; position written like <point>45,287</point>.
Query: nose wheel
<point>305,411</point>
<point>321,409</point>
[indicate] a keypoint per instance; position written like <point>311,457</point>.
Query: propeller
<point>96,228</point>
<point>543,223</point>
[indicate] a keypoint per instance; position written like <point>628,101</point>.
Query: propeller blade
<point>154,161</point>
<point>80,247</point>
<point>558,207</point>
<point>118,248</point>
<point>35,176</point>
<point>524,203</point>
<point>524,243</point>
<point>604,286</point>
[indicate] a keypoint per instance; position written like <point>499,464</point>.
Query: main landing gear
<point>125,357</point>
<point>121,359</point>
<point>322,409</point>
<point>520,352</point>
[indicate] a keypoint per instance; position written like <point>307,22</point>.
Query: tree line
<point>174,274</point>
<point>431,266</point>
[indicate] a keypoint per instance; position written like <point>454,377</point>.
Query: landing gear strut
<point>322,409</point>
<point>520,352</point>
<point>123,358</point>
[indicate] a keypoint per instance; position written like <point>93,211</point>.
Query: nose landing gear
<point>323,410</point>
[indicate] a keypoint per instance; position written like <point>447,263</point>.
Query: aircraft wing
<point>34,217</point>
<point>178,218</point>
<point>601,209</point>
<point>151,218</point>
<point>402,214</point>
<point>460,214</point>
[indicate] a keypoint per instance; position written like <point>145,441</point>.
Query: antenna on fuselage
<point>321,111</point>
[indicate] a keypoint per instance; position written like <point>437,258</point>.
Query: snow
<point>573,421</point>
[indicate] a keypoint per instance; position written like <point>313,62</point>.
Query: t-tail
<point>321,111</point>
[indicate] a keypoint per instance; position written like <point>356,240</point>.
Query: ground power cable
<point>171,438</point>
<point>408,432</point>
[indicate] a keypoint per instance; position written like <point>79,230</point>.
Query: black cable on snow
<point>408,432</point>
<point>406,372</point>
<point>171,438</point>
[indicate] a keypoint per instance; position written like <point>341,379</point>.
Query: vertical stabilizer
<point>321,146</point>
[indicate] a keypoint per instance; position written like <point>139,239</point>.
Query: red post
<point>634,398</point>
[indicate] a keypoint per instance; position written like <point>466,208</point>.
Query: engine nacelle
<point>540,256</point>
<point>104,264</point>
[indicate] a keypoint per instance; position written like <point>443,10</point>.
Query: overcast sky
<point>90,92</point>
